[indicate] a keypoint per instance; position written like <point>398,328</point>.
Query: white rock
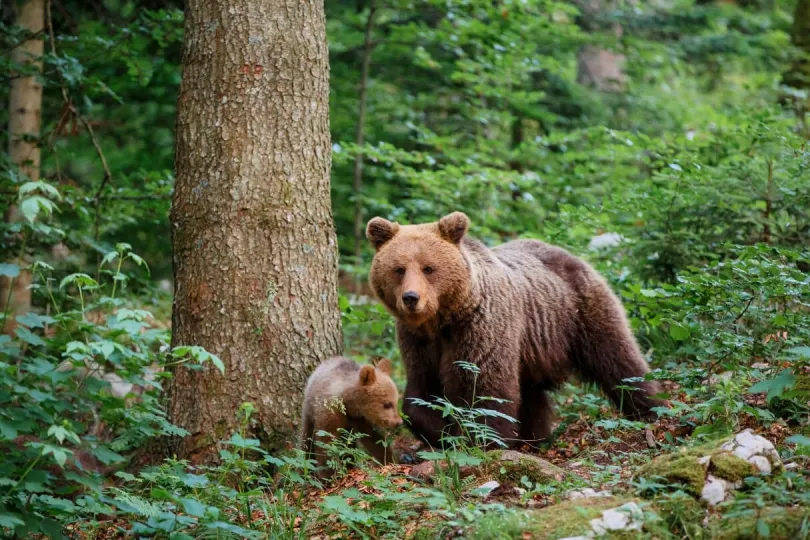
<point>627,517</point>
<point>755,449</point>
<point>761,463</point>
<point>704,460</point>
<point>520,491</point>
<point>587,493</point>
<point>485,489</point>
<point>714,490</point>
<point>605,240</point>
<point>791,466</point>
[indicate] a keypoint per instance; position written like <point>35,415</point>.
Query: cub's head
<point>419,270</point>
<point>375,397</point>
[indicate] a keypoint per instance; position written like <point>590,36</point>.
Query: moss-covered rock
<point>690,467</point>
<point>511,466</point>
<point>572,518</point>
<point>686,467</point>
<point>730,467</point>
<point>782,524</point>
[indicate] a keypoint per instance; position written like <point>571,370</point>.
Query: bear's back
<point>533,258</point>
<point>331,379</point>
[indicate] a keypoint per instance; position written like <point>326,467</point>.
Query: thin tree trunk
<point>255,253</point>
<point>25,113</point>
<point>359,229</point>
<point>798,76</point>
<point>599,68</point>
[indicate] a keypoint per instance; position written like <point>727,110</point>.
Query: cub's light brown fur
<point>528,314</point>
<point>342,394</point>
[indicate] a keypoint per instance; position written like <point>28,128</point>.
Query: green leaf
<point>799,440</point>
<point>32,206</point>
<point>193,507</point>
<point>180,536</point>
<point>804,352</point>
<point>763,529</point>
<point>10,521</point>
<point>81,280</point>
<point>679,332</point>
<point>52,529</point>
<point>107,456</point>
<point>32,320</point>
<point>29,337</point>
<point>775,387</point>
<point>218,363</point>
<point>9,270</point>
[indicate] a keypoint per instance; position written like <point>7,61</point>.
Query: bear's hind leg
<point>536,415</point>
<point>607,353</point>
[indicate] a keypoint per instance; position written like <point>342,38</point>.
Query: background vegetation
<point>688,141</point>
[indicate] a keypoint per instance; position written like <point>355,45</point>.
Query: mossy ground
<point>685,467</point>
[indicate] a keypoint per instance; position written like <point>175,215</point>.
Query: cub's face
<point>377,396</point>
<point>419,270</point>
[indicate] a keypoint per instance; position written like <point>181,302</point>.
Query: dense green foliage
<point>698,159</point>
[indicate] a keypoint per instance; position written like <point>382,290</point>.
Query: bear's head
<point>419,271</point>
<point>375,396</point>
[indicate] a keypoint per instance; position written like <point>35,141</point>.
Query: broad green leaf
<point>10,521</point>
<point>775,387</point>
<point>33,320</point>
<point>107,456</point>
<point>193,507</point>
<point>804,352</point>
<point>800,440</point>
<point>29,337</point>
<point>679,332</point>
<point>82,280</point>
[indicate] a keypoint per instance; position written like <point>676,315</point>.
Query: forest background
<point>664,141</point>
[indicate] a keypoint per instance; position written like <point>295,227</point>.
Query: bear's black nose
<point>410,299</point>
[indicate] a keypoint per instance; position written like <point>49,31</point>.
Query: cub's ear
<point>384,365</point>
<point>453,227</point>
<point>379,231</point>
<point>367,375</point>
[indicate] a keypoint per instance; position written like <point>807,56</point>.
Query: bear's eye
<point>388,405</point>
<point>400,270</point>
<point>427,270</point>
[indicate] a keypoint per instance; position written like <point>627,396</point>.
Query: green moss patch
<point>571,518</point>
<point>729,467</point>
<point>689,467</point>
<point>782,524</point>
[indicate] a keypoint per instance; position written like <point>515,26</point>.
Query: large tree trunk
<point>25,113</point>
<point>255,253</point>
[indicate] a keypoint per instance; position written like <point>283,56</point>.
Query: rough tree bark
<point>25,113</point>
<point>255,252</point>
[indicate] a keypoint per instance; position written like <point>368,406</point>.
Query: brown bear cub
<point>526,313</point>
<point>342,394</point>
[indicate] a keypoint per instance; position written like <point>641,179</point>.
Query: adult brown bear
<point>526,313</point>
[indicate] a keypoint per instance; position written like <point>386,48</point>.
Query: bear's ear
<point>384,365</point>
<point>379,231</point>
<point>367,375</point>
<point>453,227</point>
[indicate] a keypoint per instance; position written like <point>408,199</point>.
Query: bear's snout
<point>410,299</point>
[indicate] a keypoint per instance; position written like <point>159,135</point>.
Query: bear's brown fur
<point>528,314</point>
<point>342,394</point>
